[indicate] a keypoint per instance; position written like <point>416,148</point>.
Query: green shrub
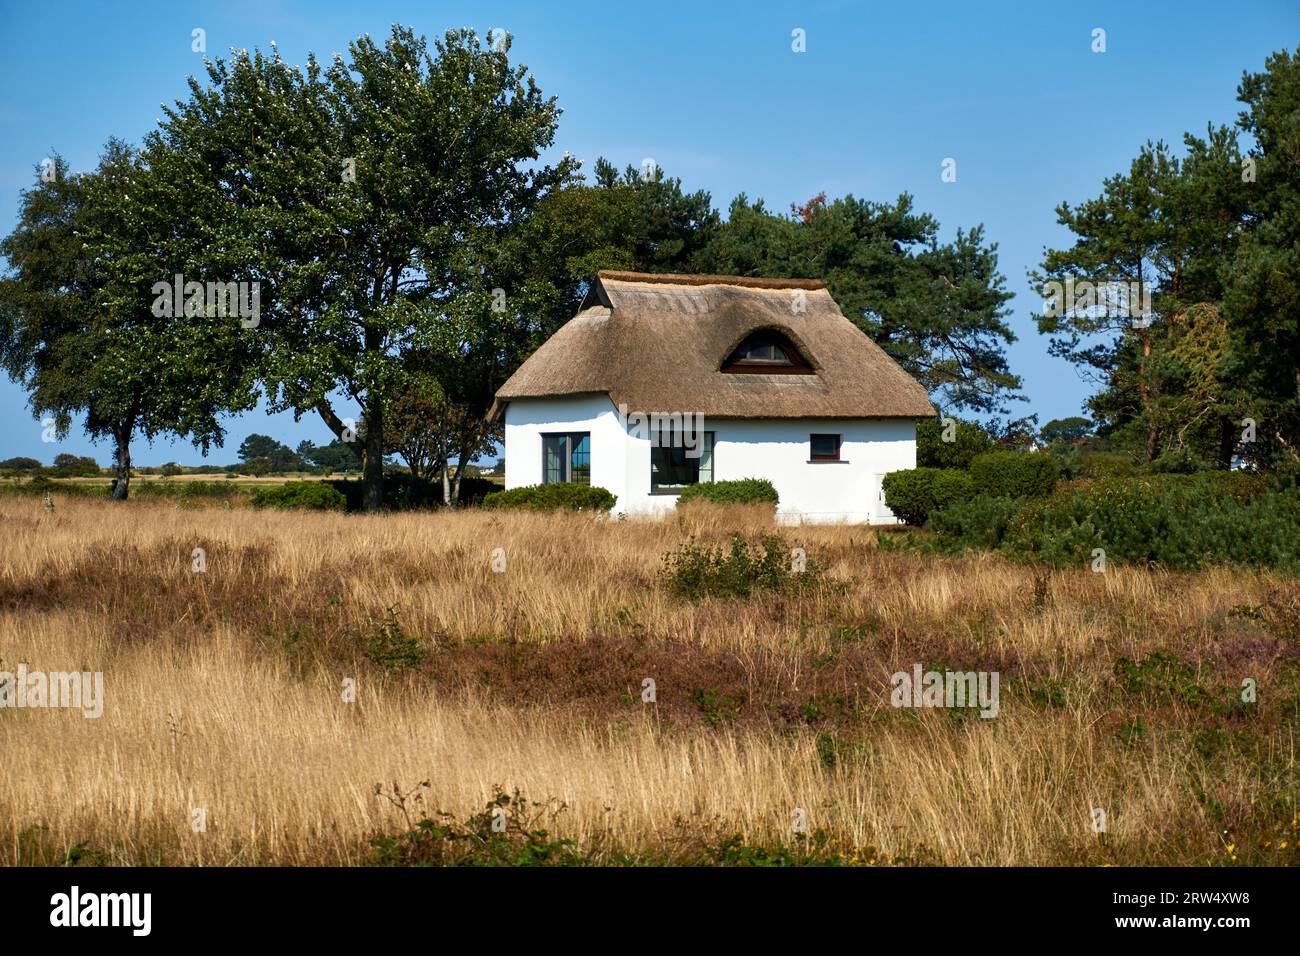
<point>389,647</point>
<point>186,489</point>
<point>511,831</point>
<point>968,441</point>
<point>1180,521</point>
<point>1105,464</point>
<point>38,486</point>
<point>312,495</point>
<point>741,492</point>
<point>914,493</point>
<point>980,522</point>
<point>552,497</point>
<point>1014,474</point>
<point>1178,461</point>
<point>736,571</point>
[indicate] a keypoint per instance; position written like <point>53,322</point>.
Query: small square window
<point>824,447</point>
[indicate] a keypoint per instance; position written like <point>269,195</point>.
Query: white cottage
<point>661,381</point>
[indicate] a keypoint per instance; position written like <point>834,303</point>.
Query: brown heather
<point>223,692</point>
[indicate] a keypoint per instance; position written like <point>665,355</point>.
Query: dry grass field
<point>224,692</point>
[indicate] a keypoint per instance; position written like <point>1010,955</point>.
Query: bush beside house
<point>567,496</point>
<point>743,491</point>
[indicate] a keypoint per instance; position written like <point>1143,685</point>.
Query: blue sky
<point>714,94</point>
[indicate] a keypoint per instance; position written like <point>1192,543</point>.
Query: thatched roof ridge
<point>656,344</point>
<point>741,282</point>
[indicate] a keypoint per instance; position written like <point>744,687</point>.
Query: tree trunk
<point>460,470</point>
<point>121,460</point>
<point>1152,434</point>
<point>1227,442</point>
<point>372,475</point>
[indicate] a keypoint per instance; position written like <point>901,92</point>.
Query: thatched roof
<point>656,342</point>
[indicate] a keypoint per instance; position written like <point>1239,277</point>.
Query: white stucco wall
<point>776,449</point>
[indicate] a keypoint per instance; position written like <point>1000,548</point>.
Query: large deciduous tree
<point>78,327</point>
<point>356,191</point>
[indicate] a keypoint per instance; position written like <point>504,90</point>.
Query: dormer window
<point>767,352</point>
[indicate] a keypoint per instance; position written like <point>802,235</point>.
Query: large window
<point>566,457</point>
<point>672,469</point>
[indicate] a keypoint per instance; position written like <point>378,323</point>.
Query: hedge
<point>552,497</point>
<point>980,522</point>
<point>914,493</point>
<point>743,491</point>
<point>39,486</point>
<point>186,489</point>
<point>312,495</point>
<point>1180,521</point>
<point>1014,474</point>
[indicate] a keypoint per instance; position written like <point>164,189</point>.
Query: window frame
<point>570,443</point>
<point>795,363</point>
<point>839,445</point>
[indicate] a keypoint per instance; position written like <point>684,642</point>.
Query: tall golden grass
<point>224,692</point>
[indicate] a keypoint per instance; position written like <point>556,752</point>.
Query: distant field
<point>224,693</point>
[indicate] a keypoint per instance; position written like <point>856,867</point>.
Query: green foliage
<point>736,571</point>
<point>1014,474</point>
<point>1065,430</point>
<point>1161,677</point>
<point>406,492</point>
<point>555,496</point>
<point>1096,464</point>
<point>390,648</point>
<point>1178,461</point>
<point>189,489</point>
<point>1179,521</point>
<point>979,522</point>
<point>968,440</point>
<point>915,493</point>
<point>337,456</point>
<point>38,486</point>
<point>77,327</point>
<point>262,454</point>
<point>741,491</point>
<point>19,464</point>
<point>716,708</point>
<point>508,832</point>
<point>74,466</point>
<point>380,185</point>
<point>310,495</point>
<point>1213,236</point>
